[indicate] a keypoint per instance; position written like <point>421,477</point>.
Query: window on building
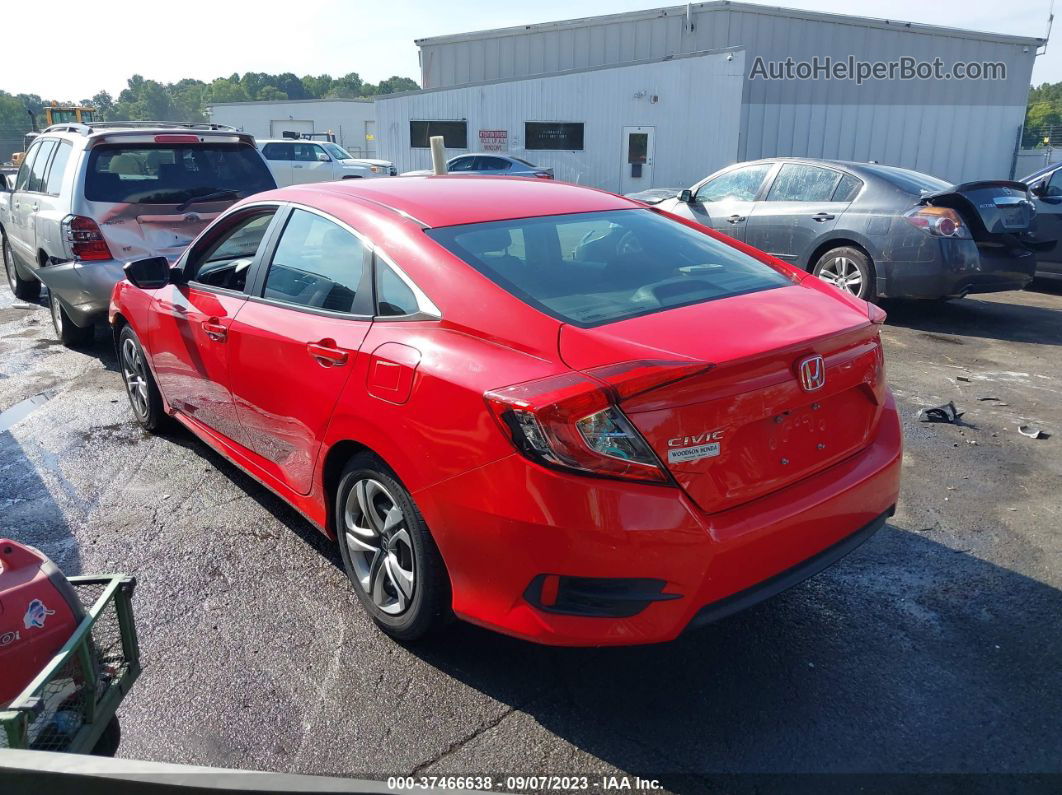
<point>454,133</point>
<point>553,135</point>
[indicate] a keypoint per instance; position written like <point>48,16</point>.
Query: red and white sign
<point>494,140</point>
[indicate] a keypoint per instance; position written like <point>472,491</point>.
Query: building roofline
<point>566,72</point>
<point>727,5</point>
<point>284,102</point>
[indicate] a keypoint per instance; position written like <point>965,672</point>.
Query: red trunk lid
<point>748,427</point>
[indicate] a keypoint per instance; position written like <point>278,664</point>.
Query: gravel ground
<point>936,647</point>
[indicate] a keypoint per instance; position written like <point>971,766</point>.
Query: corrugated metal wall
<point>695,117</point>
<point>957,129</point>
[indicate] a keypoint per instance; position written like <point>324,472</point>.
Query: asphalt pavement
<point>935,647</point>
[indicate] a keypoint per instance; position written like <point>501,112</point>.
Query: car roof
<point>451,200</point>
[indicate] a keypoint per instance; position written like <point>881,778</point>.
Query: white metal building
<point>956,129</point>
<point>351,120</point>
<point>599,126</point>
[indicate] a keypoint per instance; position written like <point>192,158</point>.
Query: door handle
<point>736,219</point>
<point>820,217</point>
<point>296,166</point>
<point>213,329</point>
<point>326,353</point>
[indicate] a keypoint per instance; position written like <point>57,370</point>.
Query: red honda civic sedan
<point>542,408</point>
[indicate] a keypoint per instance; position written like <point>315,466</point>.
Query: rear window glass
<point>594,268</point>
<point>910,181</point>
<point>167,174</point>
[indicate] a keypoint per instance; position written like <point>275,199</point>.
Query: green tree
<point>348,86</point>
<point>394,84</point>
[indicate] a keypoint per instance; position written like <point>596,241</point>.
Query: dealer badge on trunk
<point>683,449</point>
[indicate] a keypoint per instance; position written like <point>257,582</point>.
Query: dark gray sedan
<point>875,231</point>
<point>1046,187</point>
<point>491,164</point>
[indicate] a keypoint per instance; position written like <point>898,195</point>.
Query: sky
<point>167,42</point>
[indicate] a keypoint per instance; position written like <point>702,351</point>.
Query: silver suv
<point>87,199</point>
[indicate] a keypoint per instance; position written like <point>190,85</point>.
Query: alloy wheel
<point>844,274</point>
<point>9,266</point>
<point>135,376</point>
<point>379,546</point>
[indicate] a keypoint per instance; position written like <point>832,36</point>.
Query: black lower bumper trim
<point>596,597</point>
<point>742,600</point>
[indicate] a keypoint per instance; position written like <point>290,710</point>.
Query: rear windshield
<point>168,174</point>
<point>911,181</point>
<point>593,268</point>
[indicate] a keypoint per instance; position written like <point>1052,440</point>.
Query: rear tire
<point>388,552</point>
<point>848,269</point>
<point>70,334</point>
<point>24,289</point>
<point>140,387</point>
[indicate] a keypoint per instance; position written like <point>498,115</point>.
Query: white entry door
<point>637,159</point>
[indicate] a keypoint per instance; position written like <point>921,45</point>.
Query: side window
<point>741,184</point>
<point>847,188</point>
<point>493,164</point>
<point>462,164</point>
<point>58,169</point>
<point>277,151</point>
<point>27,164</point>
<point>303,153</point>
<point>225,260</point>
<point>393,296</point>
<point>40,163</point>
<point>320,154</point>
<point>798,183</point>
<point>317,263</point>
<point>1054,184</point>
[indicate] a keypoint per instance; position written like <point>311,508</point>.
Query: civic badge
<point>812,373</point>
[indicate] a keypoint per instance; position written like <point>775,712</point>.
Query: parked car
<point>523,401</point>
<point>88,198</point>
<point>1045,186</point>
<point>491,164</point>
<point>295,162</point>
<point>872,230</point>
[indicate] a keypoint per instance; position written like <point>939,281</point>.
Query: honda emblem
<point>812,373</point>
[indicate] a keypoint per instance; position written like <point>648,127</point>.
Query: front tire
<point>848,269</point>
<point>388,552</point>
<point>143,392</point>
<point>71,335</point>
<point>24,289</point>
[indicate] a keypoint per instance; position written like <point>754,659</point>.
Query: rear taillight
<point>375,169</point>
<point>83,239</point>
<point>938,221</point>
<point>544,174</point>
<point>572,422</point>
<point>177,138</point>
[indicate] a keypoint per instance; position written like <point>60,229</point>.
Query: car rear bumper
<point>502,527</point>
<point>955,268</point>
<point>84,287</point>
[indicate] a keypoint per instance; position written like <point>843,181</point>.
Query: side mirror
<point>1038,188</point>
<point>321,156</point>
<point>686,196</point>
<point>4,184</point>
<point>150,273</point>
